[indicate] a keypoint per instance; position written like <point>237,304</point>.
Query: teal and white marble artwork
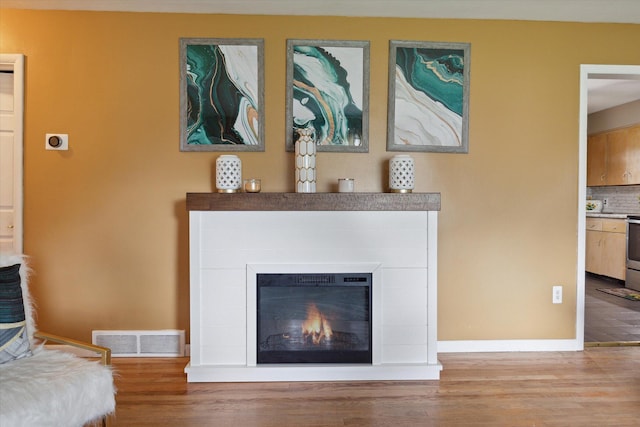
<point>328,93</point>
<point>429,96</point>
<point>222,94</point>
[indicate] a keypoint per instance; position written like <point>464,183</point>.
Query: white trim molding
<point>589,71</point>
<point>494,346</point>
<point>14,62</point>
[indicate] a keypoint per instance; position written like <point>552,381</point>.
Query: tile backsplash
<point>621,199</point>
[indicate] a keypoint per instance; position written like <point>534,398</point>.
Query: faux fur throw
<point>51,388</point>
<point>54,388</point>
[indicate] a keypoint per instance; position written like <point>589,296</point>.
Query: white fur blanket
<point>53,388</point>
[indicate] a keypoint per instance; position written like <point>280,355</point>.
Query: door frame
<point>15,62</point>
<point>588,71</point>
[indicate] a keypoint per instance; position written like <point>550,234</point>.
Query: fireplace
<point>366,263</point>
<point>314,318</point>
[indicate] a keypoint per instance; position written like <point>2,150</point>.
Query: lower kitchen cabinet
<point>605,247</point>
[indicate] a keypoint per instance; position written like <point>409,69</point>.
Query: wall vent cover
<point>159,343</point>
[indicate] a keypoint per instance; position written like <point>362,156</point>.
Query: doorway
<point>11,152</point>
<point>588,75</point>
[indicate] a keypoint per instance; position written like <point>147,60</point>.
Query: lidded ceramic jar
<point>401,174</point>
<point>228,173</point>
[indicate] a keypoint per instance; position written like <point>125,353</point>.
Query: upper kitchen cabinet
<point>597,160</point>
<point>613,157</point>
<point>623,158</point>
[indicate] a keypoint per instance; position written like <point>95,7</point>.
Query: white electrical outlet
<point>605,201</point>
<point>557,295</point>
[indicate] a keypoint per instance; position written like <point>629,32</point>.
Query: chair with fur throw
<point>40,386</point>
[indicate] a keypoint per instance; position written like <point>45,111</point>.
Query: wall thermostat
<point>57,141</point>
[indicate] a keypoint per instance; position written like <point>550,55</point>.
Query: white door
<point>11,132</point>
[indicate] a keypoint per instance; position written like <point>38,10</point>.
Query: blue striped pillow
<point>14,341</point>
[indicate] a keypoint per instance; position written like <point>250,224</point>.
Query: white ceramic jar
<point>401,174</point>
<point>228,173</point>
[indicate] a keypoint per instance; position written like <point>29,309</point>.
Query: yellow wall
<point>106,225</point>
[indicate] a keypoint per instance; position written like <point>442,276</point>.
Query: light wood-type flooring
<point>597,387</point>
<point>608,318</point>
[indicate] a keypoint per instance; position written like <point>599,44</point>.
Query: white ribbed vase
<point>305,162</point>
<point>228,173</point>
<point>401,174</point>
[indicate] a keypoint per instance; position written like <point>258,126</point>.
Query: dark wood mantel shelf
<point>313,201</point>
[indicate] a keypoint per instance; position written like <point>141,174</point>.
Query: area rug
<point>625,293</point>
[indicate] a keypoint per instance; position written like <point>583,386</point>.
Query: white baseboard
<point>492,346</point>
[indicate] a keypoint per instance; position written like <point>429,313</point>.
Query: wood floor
<point>597,387</point>
<point>609,318</point>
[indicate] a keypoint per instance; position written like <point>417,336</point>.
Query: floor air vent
<point>162,343</point>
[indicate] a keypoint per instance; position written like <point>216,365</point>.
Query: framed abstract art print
<point>221,94</point>
<point>428,97</point>
<point>327,94</point>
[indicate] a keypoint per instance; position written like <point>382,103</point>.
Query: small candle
<point>346,185</point>
<point>252,185</point>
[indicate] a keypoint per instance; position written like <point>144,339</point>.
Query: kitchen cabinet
<point>623,156</point>
<point>606,247</point>
<point>596,160</point>
<point>613,157</point>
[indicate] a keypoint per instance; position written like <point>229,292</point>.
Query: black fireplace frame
<point>361,280</point>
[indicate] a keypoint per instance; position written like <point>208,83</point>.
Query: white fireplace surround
<point>229,248</point>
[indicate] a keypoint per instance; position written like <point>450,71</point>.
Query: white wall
<point>614,118</point>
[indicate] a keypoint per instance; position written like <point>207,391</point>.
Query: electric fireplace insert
<point>314,318</point>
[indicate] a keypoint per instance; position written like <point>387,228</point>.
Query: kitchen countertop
<point>609,215</point>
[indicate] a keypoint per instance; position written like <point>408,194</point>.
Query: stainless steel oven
<point>633,252</point>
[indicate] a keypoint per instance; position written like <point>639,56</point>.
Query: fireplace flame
<point>316,327</point>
